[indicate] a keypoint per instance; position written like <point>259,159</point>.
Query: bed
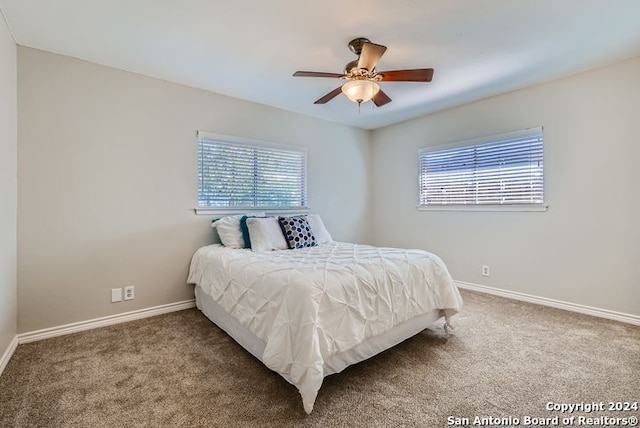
<point>310,312</point>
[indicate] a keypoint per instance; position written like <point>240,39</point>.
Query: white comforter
<point>311,303</point>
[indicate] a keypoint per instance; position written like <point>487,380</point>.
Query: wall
<point>106,187</point>
<point>107,183</point>
<point>585,248</point>
<point>8,187</point>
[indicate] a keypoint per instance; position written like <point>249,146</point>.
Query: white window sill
<point>508,208</point>
<point>240,210</point>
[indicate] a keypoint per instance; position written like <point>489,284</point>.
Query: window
<point>241,174</point>
<point>504,170</point>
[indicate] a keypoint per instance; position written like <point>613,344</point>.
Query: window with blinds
<point>234,174</point>
<point>502,170</point>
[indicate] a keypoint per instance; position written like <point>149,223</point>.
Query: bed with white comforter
<point>310,312</point>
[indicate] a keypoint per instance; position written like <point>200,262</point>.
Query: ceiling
<point>250,49</point>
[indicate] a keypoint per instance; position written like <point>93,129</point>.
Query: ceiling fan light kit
<point>360,91</point>
<point>362,85</point>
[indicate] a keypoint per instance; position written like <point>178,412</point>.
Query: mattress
<point>311,312</point>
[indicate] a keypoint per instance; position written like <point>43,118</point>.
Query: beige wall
<point>8,187</point>
<point>107,182</point>
<point>106,187</point>
<point>586,248</point>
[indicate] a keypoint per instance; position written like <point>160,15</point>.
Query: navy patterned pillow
<point>297,232</point>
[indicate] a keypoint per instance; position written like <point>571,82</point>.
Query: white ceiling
<point>250,49</point>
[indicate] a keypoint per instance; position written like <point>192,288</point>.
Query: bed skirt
<point>334,363</point>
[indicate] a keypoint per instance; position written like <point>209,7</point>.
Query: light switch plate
<point>116,295</point>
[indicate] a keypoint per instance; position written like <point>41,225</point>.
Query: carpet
<point>506,360</point>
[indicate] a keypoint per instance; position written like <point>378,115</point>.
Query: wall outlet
<point>116,295</point>
<point>129,293</point>
<point>486,271</point>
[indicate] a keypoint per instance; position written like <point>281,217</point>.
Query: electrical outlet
<point>129,293</point>
<point>116,295</point>
<point>486,271</point>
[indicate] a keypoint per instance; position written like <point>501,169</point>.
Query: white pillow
<point>265,234</point>
<point>318,229</point>
<point>229,230</point>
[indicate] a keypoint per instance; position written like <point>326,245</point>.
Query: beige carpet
<point>507,359</point>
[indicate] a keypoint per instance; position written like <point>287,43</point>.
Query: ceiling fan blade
<point>316,74</point>
<point>416,75</point>
<point>381,99</point>
<point>331,95</point>
<point>370,55</point>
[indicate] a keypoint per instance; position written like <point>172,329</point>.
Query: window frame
<point>495,138</point>
<point>252,144</point>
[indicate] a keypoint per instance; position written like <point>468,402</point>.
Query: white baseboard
<point>103,322</point>
<point>559,304</point>
<point>8,353</point>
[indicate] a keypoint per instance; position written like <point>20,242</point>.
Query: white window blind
<point>237,174</point>
<point>500,170</point>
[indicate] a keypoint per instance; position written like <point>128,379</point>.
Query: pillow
<point>245,230</point>
<point>265,234</point>
<point>318,229</point>
<point>229,230</point>
<point>297,232</point>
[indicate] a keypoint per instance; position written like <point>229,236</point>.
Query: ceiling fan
<point>363,78</point>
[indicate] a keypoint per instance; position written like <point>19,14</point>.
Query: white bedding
<point>311,304</point>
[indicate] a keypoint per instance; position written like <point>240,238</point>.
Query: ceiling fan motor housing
<point>351,67</point>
